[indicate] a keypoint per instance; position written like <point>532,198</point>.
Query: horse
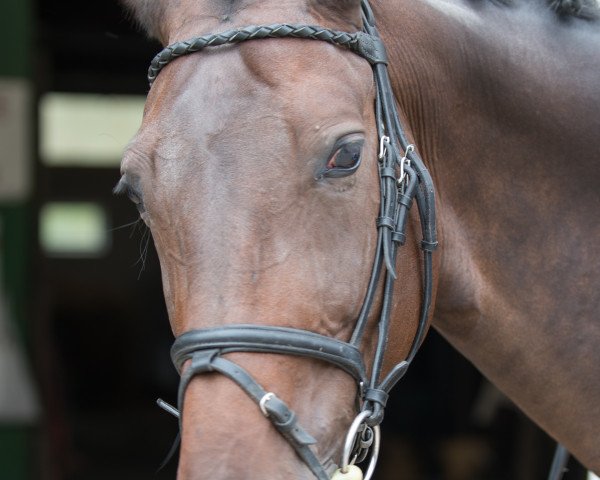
<point>257,169</point>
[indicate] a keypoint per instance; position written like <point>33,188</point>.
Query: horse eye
<point>133,197</point>
<point>345,160</point>
<point>123,187</point>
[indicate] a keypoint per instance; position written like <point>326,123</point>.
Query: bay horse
<point>256,169</point>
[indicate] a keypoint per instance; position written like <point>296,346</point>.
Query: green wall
<point>17,459</point>
<point>16,21</point>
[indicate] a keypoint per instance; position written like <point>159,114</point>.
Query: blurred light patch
<point>74,229</point>
<point>86,130</point>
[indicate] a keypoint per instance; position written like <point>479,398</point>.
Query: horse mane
<point>586,9</point>
<point>147,13</point>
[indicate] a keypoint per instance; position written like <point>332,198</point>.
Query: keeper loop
<point>399,237</point>
<point>202,361</point>
<point>429,246</point>
<point>388,172</point>
<point>287,425</point>
<point>377,395</point>
<point>405,200</point>
<point>387,222</point>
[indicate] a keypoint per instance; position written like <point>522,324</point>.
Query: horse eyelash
<point>122,187</point>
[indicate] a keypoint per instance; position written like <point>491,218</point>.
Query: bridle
<point>403,178</point>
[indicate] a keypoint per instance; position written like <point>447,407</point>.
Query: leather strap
<point>368,47</point>
<point>270,339</point>
<point>559,463</point>
<point>281,416</point>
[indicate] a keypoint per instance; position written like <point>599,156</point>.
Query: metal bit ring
<point>349,443</point>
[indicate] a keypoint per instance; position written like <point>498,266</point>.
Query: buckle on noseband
<point>262,404</point>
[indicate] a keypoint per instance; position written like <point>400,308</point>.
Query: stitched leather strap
<point>270,339</point>
<point>281,416</point>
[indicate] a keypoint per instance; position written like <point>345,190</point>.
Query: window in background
<point>74,230</point>
<point>87,130</point>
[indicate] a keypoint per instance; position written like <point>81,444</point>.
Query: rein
<point>404,179</point>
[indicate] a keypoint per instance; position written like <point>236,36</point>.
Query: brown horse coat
<point>502,100</point>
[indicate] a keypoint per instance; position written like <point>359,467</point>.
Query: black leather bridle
<point>403,178</point>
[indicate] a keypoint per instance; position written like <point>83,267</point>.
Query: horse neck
<point>511,137</point>
<point>505,74</point>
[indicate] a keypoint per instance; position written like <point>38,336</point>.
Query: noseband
<point>403,178</point>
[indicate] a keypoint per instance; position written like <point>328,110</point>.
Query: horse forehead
<point>185,19</point>
<point>207,92</point>
<point>198,92</point>
<point>293,59</point>
<point>308,75</point>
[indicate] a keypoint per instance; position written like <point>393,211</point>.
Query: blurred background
<point>84,336</point>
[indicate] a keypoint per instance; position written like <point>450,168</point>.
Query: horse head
<point>256,169</point>
<point>274,173</point>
